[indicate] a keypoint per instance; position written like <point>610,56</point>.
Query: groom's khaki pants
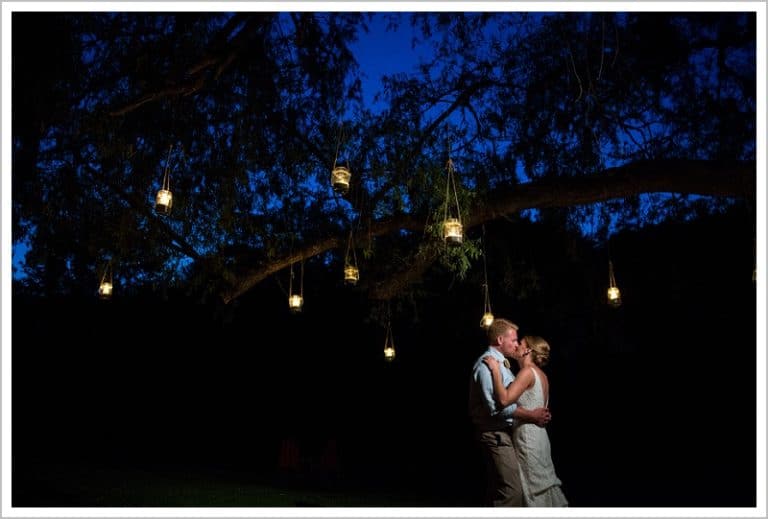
<point>503,474</point>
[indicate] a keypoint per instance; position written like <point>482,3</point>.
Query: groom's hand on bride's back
<point>539,416</point>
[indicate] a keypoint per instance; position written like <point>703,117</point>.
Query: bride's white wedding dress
<point>541,486</point>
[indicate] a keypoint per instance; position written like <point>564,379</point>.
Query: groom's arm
<point>483,376</point>
<point>539,416</point>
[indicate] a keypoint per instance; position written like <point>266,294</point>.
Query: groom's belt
<point>507,430</point>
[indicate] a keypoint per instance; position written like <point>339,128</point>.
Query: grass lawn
<point>81,486</point>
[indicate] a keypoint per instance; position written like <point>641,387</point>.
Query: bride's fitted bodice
<point>533,437</point>
<point>533,397</point>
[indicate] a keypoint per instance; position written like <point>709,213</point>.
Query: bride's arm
<point>510,394</point>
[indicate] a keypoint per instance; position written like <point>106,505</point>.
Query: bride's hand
<point>491,361</point>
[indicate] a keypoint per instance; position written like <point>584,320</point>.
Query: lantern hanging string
<point>301,280</point>
<point>339,137</point>
<point>451,183</point>
<point>611,277</point>
<point>290,282</point>
<point>487,305</point>
<point>107,270</point>
<point>389,339</point>
<point>166,174</point>
<point>351,246</point>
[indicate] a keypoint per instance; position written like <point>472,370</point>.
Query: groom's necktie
<point>506,364</point>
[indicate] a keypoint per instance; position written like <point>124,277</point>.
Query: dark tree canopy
<point>610,119</point>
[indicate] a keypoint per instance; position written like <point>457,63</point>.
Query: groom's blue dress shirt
<point>486,413</point>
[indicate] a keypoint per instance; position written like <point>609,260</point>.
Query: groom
<point>493,424</point>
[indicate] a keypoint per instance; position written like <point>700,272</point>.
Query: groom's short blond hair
<point>498,328</point>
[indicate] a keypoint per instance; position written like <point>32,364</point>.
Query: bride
<point>530,389</point>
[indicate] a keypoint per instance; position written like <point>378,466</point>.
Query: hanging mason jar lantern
<point>105,290</point>
<point>296,300</point>
<point>351,272</point>
<point>164,202</point>
<point>389,341</point>
<point>487,319</point>
<point>164,197</point>
<point>340,176</point>
<point>105,286</point>
<point>453,231</point>
<point>389,352</point>
<point>614,295</point>
<point>351,275</point>
<point>389,345</point>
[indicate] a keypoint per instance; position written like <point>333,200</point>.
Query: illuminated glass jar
<point>105,290</point>
<point>163,202</point>
<point>486,320</point>
<point>389,345</point>
<point>614,296</point>
<point>351,275</point>
<point>452,231</point>
<point>295,302</point>
<point>340,179</point>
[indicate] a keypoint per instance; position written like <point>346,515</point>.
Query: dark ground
<point>151,401</point>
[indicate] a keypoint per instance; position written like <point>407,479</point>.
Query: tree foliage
<point>579,117</point>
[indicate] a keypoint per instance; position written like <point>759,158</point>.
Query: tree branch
<point>227,48</point>
<point>141,207</point>
<point>712,178</point>
<point>700,177</point>
<point>252,276</point>
<point>386,289</point>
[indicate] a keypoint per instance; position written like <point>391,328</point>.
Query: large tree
<point>610,118</point>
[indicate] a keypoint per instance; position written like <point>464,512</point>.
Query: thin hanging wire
<point>301,280</point>
<point>290,279</point>
<point>451,183</point>
<point>611,277</point>
<point>389,341</point>
<point>107,270</point>
<point>487,306</point>
<point>167,172</point>
<point>290,282</point>
<point>351,246</point>
<point>339,137</point>
<point>455,192</point>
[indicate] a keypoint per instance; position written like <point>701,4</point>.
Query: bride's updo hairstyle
<point>539,349</point>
